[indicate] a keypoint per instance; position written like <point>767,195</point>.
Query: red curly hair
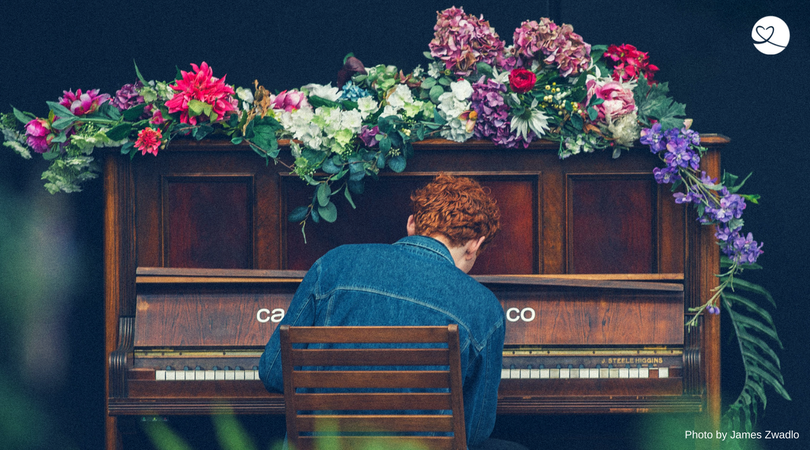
<point>457,208</point>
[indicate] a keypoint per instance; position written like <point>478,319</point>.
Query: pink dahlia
<point>83,103</point>
<point>462,40</point>
<point>202,86</point>
<point>553,44</point>
<point>39,135</point>
<point>149,141</point>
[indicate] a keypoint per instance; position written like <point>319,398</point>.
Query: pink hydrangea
<point>618,101</point>
<point>463,40</point>
<point>553,44</point>
<point>290,100</point>
<point>203,86</point>
<point>83,103</point>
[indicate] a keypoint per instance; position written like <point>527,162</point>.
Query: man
<point>420,280</point>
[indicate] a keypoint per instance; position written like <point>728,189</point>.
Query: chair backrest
<point>359,396</point>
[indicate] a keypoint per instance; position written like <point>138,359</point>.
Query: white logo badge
<point>771,35</point>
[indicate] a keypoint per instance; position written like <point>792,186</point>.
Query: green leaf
<point>236,140</point>
<point>751,287</point>
<point>316,101</point>
<point>138,73</point>
<point>201,131</point>
<point>346,58</point>
<point>348,196</point>
<point>435,92</point>
<point>120,131</point>
<point>777,386</point>
<point>134,113</point>
<point>23,117</point>
<point>197,108</point>
<point>298,214</point>
<point>329,166</point>
<point>357,186</point>
<point>484,68</point>
<point>60,110</point>
<point>328,212</point>
<point>445,81</point>
<point>397,163</point>
<point>50,155</point>
<point>750,305</point>
<point>127,147</point>
<point>428,55</point>
<point>385,145</point>
<point>64,122</point>
<point>757,325</point>
<point>428,83</point>
<point>323,193</point>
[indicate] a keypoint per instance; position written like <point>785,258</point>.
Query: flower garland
<point>548,84</point>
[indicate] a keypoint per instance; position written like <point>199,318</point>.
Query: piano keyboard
<point>198,374</point>
<point>514,373</point>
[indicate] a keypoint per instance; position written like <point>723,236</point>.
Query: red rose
<point>522,80</point>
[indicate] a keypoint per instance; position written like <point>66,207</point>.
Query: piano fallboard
<point>574,344</point>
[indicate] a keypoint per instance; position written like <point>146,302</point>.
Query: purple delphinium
<point>727,207</point>
<point>493,114</point>
<point>654,138</point>
<point>128,96</point>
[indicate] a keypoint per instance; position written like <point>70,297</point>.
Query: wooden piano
<point>595,266</point>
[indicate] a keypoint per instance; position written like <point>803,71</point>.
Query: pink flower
<point>149,141</point>
<point>157,118</point>
<point>553,44</point>
<point>83,103</point>
<point>39,135</point>
<point>202,86</point>
<point>290,100</point>
<point>618,101</point>
<point>462,40</point>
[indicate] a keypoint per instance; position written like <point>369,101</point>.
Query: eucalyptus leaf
<point>298,214</point>
<point>236,140</point>
<point>323,193</point>
<point>428,83</point>
<point>348,195</point>
<point>435,92</point>
<point>357,186</point>
<point>315,216</point>
<point>328,212</point>
<point>329,166</point>
<point>397,163</point>
<point>127,147</point>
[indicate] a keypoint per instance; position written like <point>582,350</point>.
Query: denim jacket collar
<point>427,245</point>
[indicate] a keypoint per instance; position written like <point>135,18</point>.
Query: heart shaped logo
<point>761,30</point>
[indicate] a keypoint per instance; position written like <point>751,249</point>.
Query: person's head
<point>458,212</point>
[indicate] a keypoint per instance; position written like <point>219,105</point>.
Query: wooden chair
<point>328,399</point>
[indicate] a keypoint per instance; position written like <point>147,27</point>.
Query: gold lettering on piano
<point>634,360</point>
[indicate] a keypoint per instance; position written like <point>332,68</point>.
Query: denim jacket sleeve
<point>483,384</point>
<point>301,312</point>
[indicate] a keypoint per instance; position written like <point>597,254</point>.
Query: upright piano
<point>596,268</point>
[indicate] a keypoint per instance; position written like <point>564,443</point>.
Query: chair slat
<point>370,357</point>
<point>371,379</point>
<point>405,422</point>
<point>373,401</point>
<point>370,335</point>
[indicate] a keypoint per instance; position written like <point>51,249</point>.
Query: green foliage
<point>653,103</point>
<point>756,334</point>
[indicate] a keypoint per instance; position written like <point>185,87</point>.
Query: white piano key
<point>634,372</point>
<point>239,375</point>
<point>209,375</point>
<point>604,373</point>
<point>505,373</point>
<point>565,373</point>
<point>534,374</point>
<point>554,373</point>
<point>593,373</point>
<point>575,373</point>
<point>545,373</point>
<point>613,372</point>
<point>230,375</point>
<point>160,375</point>
<point>255,375</point>
<point>644,372</point>
<point>219,375</point>
<point>624,372</point>
<point>524,374</point>
<point>171,375</point>
<point>663,372</point>
<point>199,375</point>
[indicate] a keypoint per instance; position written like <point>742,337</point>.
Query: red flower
<point>148,141</point>
<point>522,80</point>
<point>629,63</point>
<point>211,95</point>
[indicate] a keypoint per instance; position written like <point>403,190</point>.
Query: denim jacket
<point>412,282</point>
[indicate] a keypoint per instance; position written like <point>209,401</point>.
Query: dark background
<point>51,381</point>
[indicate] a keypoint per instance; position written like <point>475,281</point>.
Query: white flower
<point>455,130</point>
<point>389,111</point>
<point>367,106</point>
<point>435,69</point>
<point>532,119</point>
<point>451,107</point>
<point>352,120</point>
<point>327,92</point>
<point>417,71</point>
<point>462,90</point>
<point>400,96</point>
<point>625,130</point>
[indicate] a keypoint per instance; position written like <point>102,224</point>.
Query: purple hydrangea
<point>493,115</point>
<point>128,96</point>
<point>367,135</point>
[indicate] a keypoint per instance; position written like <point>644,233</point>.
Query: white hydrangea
<point>367,106</point>
<point>625,130</point>
<point>435,69</point>
<point>328,92</point>
<point>455,130</point>
<point>400,96</point>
